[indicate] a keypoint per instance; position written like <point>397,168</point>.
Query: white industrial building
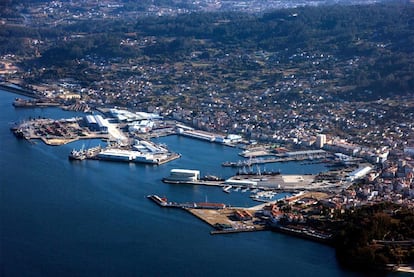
<point>186,175</point>
<point>230,138</point>
<point>197,134</point>
<point>97,123</point>
<point>359,173</point>
<point>142,126</point>
<point>122,155</point>
<point>149,147</point>
<point>124,115</point>
<point>245,182</point>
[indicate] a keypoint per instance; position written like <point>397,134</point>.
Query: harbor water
<point>92,218</point>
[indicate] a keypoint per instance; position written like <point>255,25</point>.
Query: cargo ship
<point>77,155</point>
<point>84,153</point>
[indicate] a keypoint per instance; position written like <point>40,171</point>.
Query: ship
<point>18,102</point>
<point>18,132</point>
<point>77,155</point>
<point>258,172</point>
<point>212,178</point>
<point>233,164</point>
<point>84,153</point>
<point>120,155</point>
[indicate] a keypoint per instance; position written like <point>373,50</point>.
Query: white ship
<point>126,156</point>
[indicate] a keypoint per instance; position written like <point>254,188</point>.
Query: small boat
<point>227,189</point>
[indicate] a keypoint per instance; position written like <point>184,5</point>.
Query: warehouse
<point>359,173</point>
<point>183,175</point>
<point>96,123</point>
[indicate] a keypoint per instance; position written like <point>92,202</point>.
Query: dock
<point>266,182</point>
<point>18,90</point>
<point>314,156</point>
<point>163,202</point>
<point>224,220</point>
<point>54,132</point>
<point>256,161</point>
<point>23,103</point>
<point>304,232</point>
<point>169,158</point>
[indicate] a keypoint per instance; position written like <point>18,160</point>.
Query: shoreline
<point>405,268</point>
<point>409,269</point>
<point>9,87</point>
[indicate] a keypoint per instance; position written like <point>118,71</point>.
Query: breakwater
<point>18,90</point>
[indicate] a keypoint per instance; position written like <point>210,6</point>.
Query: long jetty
<point>217,215</point>
<point>263,161</point>
<point>18,90</point>
<point>163,202</point>
<point>276,159</point>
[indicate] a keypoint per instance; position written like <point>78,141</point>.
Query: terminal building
<point>183,175</point>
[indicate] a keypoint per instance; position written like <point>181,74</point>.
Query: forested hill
<point>365,51</point>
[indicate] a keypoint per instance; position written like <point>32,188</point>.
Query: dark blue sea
<point>92,218</point>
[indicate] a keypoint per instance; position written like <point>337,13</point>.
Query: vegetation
<point>380,35</point>
<point>376,236</point>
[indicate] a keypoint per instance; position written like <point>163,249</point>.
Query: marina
<point>263,196</point>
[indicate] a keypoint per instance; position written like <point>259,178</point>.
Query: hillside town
<point>310,103</point>
<point>294,98</point>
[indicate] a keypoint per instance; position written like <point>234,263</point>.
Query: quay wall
<point>21,91</point>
